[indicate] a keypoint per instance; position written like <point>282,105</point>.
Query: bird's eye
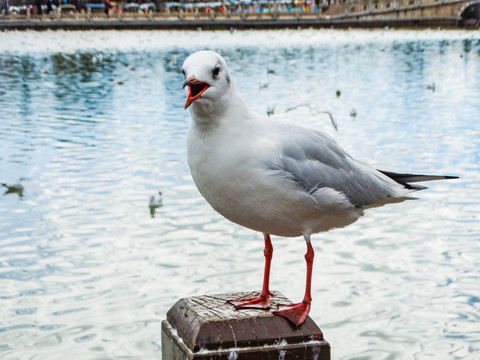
<point>183,72</point>
<point>216,70</point>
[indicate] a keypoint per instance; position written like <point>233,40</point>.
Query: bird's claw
<point>295,313</point>
<point>259,302</point>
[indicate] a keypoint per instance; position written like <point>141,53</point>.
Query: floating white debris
<point>315,110</point>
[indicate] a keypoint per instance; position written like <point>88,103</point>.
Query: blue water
<point>94,124</point>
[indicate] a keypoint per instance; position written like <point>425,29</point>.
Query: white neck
<point>212,113</point>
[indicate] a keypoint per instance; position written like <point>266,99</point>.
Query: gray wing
<point>314,161</point>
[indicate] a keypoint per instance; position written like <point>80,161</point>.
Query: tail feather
<point>406,179</point>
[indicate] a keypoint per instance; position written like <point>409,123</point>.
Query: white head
<point>207,81</point>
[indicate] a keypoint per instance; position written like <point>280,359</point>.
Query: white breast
<point>237,184</point>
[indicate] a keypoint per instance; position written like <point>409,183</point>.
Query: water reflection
<point>94,123</point>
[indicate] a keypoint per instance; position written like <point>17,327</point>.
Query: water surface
<point>94,123</point>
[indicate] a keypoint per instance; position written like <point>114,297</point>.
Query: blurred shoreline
<point>238,21</point>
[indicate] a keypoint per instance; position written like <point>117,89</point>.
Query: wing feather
<point>315,161</point>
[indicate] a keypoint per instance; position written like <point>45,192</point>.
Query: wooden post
<point>207,327</point>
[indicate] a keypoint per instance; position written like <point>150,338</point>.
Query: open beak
<point>195,90</point>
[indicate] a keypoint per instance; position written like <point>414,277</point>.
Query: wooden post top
<point>209,327</point>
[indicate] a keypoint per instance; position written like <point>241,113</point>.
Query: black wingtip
<point>406,179</point>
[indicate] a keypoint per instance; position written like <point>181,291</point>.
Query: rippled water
<point>94,123</point>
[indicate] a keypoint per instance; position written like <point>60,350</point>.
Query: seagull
<point>275,177</point>
<point>16,187</point>
<point>155,202</point>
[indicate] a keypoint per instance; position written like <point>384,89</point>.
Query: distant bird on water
<point>275,177</point>
<point>16,187</point>
<point>156,201</point>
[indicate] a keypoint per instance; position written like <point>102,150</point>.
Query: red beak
<point>195,90</point>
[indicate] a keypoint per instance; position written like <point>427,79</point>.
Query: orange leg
<point>297,313</point>
<point>262,301</point>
